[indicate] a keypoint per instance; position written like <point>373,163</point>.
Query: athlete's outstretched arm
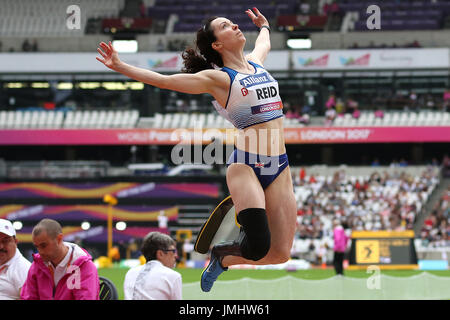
<point>197,83</point>
<point>262,43</point>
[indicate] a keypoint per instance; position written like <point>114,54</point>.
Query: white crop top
<point>252,99</point>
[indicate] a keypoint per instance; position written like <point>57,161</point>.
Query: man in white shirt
<point>13,266</point>
<point>155,280</point>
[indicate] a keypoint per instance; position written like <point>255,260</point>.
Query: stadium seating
<point>69,120</point>
<point>47,18</point>
<point>395,118</point>
<point>417,15</point>
<point>436,229</point>
<point>130,119</point>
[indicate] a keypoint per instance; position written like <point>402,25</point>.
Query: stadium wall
<point>146,43</point>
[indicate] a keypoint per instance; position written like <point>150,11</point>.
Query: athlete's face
<point>227,34</point>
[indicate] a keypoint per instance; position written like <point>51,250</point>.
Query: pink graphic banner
<point>175,136</point>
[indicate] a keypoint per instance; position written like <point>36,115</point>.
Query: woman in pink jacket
<point>61,270</point>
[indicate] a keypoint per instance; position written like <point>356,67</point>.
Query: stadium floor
<point>117,275</point>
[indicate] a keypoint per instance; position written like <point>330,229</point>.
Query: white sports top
<point>252,99</point>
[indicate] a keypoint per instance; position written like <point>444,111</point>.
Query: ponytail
<point>203,56</point>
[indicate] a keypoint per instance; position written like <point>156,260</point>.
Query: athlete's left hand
<point>258,19</point>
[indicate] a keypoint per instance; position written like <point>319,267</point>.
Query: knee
<point>256,241</point>
<point>259,248</point>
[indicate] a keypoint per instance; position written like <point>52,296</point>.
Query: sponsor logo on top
<point>254,80</point>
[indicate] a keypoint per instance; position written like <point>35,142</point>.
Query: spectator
<point>292,112</point>
<point>155,280</point>
<point>446,98</point>
<point>160,47</point>
<point>302,174</point>
<point>334,8</point>
<point>413,101</point>
<point>142,9</point>
<point>330,115</point>
<point>61,270</point>
<point>26,46</point>
<point>162,220</point>
<point>351,106</point>
<point>340,246</point>
<point>114,254</point>
<point>430,104</point>
<point>375,162</point>
<point>331,102</point>
<point>340,106</point>
<point>13,266</point>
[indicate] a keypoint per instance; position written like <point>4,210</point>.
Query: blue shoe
<point>211,272</point>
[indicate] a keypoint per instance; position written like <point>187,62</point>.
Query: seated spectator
<point>356,114</point>
<point>331,102</point>
<point>375,162</point>
<point>330,115</point>
<point>351,105</point>
<point>61,270</point>
<point>155,280</point>
<point>160,47</point>
<point>292,112</point>
<point>26,46</point>
<point>305,119</point>
<point>379,114</point>
<point>340,106</point>
<point>446,98</point>
<point>334,8</point>
<point>142,9</point>
<point>13,266</point>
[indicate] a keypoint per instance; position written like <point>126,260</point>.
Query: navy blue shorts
<point>266,168</point>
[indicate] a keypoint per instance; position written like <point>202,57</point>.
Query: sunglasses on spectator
<point>170,250</point>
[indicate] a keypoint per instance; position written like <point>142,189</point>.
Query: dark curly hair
<point>202,56</point>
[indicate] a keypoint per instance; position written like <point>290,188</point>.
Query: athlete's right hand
<point>109,54</point>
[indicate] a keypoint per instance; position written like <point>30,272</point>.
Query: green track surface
<point>117,275</point>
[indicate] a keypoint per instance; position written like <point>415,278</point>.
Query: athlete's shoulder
<point>214,74</point>
<point>254,60</point>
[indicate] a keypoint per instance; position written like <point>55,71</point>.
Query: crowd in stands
<point>336,106</point>
<point>381,201</point>
<point>436,229</point>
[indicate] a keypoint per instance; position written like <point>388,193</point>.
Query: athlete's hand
<point>109,54</point>
<point>257,18</point>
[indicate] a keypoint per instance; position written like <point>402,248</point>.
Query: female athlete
<point>258,175</point>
